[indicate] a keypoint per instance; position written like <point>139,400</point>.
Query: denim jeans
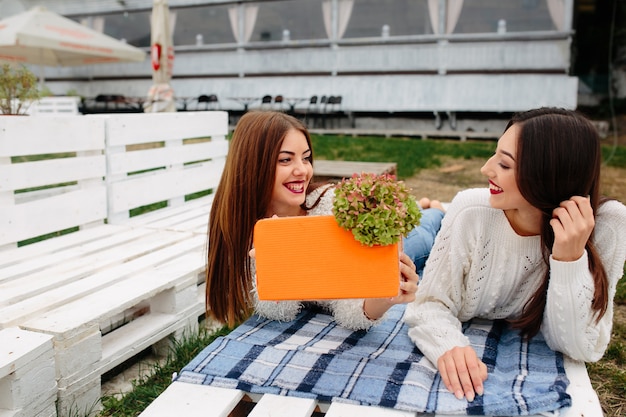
<point>420,240</point>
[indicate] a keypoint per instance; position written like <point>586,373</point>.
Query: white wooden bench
<point>325,170</point>
<point>193,400</point>
<point>27,376</point>
<point>111,289</point>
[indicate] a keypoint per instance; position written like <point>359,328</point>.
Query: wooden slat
<point>343,410</point>
<point>188,217</point>
<point>126,129</point>
<point>132,338</point>
<point>19,347</point>
<point>59,243</point>
<point>140,190</point>
<point>51,171</point>
<point>36,218</point>
<point>281,406</point>
<point>585,401</point>
<point>50,135</point>
<point>124,162</point>
<point>190,221</point>
<point>30,259</point>
<point>191,400</point>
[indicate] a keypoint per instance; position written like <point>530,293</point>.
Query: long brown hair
<point>559,156</point>
<point>242,198</point>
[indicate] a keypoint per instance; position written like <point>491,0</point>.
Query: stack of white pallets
<point>55,106</point>
<point>192,400</point>
<point>112,288</point>
<point>27,375</point>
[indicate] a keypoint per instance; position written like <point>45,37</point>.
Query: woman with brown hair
<point>268,173</point>
<point>539,248</point>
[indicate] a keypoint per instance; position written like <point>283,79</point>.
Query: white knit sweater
<point>347,313</point>
<point>479,267</point>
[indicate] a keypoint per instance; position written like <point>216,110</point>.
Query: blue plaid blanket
<point>313,357</point>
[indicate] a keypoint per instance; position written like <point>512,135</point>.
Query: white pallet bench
<point>335,170</point>
<point>27,375</point>
<point>116,286</point>
<point>194,400</point>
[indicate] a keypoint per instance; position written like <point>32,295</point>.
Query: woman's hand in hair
<point>573,222</point>
<point>374,308</point>
<point>462,372</point>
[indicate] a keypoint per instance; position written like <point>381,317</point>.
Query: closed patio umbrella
<point>161,94</point>
<point>41,37</point>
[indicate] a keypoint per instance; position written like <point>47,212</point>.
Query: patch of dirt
<point>444,182</point>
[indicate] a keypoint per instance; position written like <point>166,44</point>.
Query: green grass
<point>412,155</point>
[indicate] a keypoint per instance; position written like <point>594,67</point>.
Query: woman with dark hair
<point>268,173</point>
<point>539,248</point>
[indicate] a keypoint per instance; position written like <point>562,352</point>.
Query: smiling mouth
<point>295,187</point>
<point>494,189</point>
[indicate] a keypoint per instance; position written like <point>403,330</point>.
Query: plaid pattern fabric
<point>313,357</point>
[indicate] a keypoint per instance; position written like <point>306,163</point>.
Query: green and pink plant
<point>377,209</point>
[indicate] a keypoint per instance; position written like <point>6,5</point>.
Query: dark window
<point>303,20</point>
<point>211,22</point>
<point>482,16</point>
<point>404,17</point>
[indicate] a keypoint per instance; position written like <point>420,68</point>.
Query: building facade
<point>394,56</point>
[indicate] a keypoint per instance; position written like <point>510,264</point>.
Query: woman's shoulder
<point>613,208</point>
<point>321,200</point>
<point>470,209</point>
<point>471,199</point>
<point>609,232</point>
<point>612,213</point>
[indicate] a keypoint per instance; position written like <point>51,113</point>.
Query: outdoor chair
<point>114,99</point>
<point>211,102</point>
<point>310,111</point>
<point>332,111</point>
<point>333,103</point>
<point>111,103</point>
<point>266,102</point>
<point>278,101</point>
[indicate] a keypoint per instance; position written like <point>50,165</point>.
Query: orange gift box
<point>313,258</point>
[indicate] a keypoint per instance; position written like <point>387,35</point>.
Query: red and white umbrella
<point>161,94</point>
<point>41,37</point>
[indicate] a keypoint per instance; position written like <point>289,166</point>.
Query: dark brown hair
<point>242,198</point>
<point>558,156</point>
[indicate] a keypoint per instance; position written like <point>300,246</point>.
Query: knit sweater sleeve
<point>432,318</point>
<point>569,324</point>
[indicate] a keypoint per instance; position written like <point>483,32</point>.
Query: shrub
<point>18,88</point>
